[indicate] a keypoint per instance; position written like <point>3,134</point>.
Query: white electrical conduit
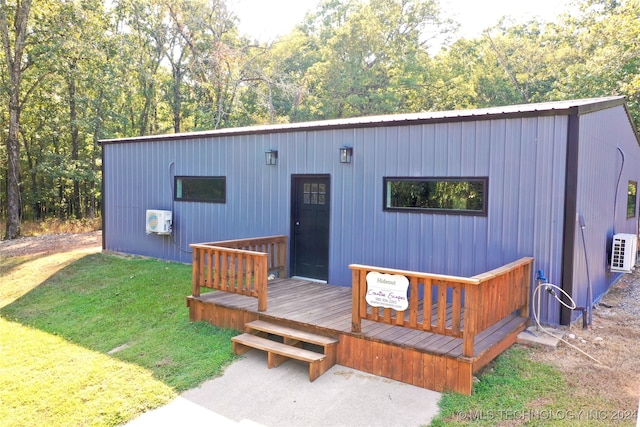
<point>573,306</point>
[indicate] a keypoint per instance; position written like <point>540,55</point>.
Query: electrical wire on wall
<point>615,198</point>
<point>589,304</point>
<point>551,289</point>
<point>173,235</point>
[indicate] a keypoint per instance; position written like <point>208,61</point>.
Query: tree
<point>82,56</point>
<point>176,52</point>
<point>14,41</point>
<point>215,60</point>
<point>144,37</point>
<point>280,87</point>
<point>58,120</point>
<point>373,56</point>
<point>605,38</point>
<point>509,64</point>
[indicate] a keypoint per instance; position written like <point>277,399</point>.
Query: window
<point>201,189</point>
<point>466,196</point>
<point>632,191</point>
<point>315,194</point>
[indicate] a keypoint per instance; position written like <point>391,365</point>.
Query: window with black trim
<point>632,191</point>
<point>211,189</point>
<point>464,196</point>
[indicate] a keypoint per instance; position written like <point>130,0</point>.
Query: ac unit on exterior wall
<point>158,222</point>
<point>623,253</point>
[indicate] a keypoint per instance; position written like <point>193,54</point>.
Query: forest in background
<point>78,71</point>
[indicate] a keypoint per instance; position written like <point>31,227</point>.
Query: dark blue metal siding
<point>600,167</point>
<point>524,159</point>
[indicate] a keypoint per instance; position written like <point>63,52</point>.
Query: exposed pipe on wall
<point>558,293</point>
<point>589,304</point>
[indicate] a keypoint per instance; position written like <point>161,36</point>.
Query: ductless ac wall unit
<point>624,251</point>
<point>158,222</point>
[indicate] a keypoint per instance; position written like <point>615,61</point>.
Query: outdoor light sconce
<point>345,154</point>
<point>271,157</point>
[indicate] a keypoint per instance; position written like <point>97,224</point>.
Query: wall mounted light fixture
<point>271,157</point>
<point>345,154</point>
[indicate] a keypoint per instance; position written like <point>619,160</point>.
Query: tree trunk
<point>75,143</point>
<point>13,169</point>
<point>94,155</point>
<point>177,98</point>
<point>13,56</point>
<point>31,164</point>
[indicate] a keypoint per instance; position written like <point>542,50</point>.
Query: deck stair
<point>266,336</point>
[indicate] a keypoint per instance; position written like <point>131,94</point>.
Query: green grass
<point>511,390</point>
<point>55,366</point>
<point>62,315</point>
<point>514,390</point>
<point>45,380</point>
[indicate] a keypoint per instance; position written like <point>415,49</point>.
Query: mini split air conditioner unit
<point>158,222</point>
<point>623,253</point>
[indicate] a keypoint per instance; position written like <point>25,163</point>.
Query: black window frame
<point>632,199</point>
<point>222,200</point>
<point>484,180</point>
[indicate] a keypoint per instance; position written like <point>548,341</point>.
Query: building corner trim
<point>570,212</point>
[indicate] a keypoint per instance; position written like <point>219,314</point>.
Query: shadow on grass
<point>131,308</point>
<point>10,264</point>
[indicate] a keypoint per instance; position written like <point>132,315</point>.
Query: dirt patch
<point>614,340</point>
<point>51,243</point>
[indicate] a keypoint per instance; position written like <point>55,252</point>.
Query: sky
<point>266,19</point>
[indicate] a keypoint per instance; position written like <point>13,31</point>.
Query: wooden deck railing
<point>448,305</point>
<point>239,266</point>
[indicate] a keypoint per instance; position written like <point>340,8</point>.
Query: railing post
<point>524,290</point>
<point>261,282</point>
<point>356,322</point>
<point>282,258</point>
<point>471,307</point>
<point>195,285</point>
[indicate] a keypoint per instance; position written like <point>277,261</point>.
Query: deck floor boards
<point>329,307</point>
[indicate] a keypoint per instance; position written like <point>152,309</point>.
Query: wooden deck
<point>424,359</point>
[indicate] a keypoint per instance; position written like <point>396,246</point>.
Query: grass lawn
<point>100,340</point>
<point>512,390</point>
<point>97,339</point>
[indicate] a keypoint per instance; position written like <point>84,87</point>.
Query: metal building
<point>456,192</point>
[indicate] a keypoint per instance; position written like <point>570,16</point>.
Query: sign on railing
<point>387,290</point>
<point>459,307</point>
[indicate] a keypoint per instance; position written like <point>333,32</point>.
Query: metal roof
<point>578,106</point>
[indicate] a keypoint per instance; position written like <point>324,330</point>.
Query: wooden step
<point>291,333</point>
<point>278,353</point>
<point>266,344</point>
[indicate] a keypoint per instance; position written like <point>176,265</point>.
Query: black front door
<point>310,227</point>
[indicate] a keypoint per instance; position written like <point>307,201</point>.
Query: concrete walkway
<point>250,394</point>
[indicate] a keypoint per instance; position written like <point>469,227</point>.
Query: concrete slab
<point>534,337</point>
<point>181,412</point>
<point>248,393</point>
